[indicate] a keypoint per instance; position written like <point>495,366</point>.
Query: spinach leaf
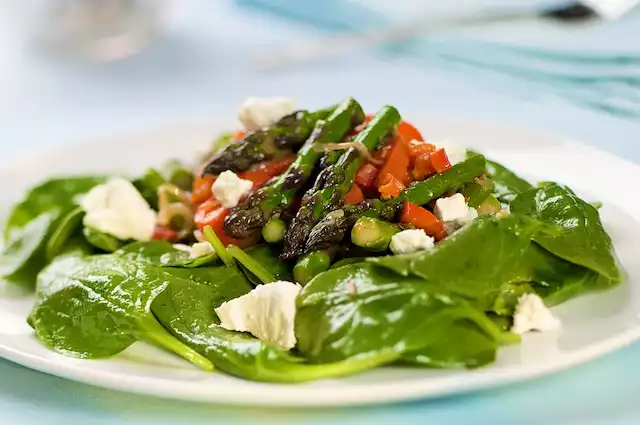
<point>148,185</point>
<point>268,257</point>
<point>33,220</point>
<point>506,184</point>
<point>555,279</point>
<point>186,309</point>
<point>364,309</point>
<point>461,346</point>
<point>67,226</point>
<point>474,262</point>
<point>92,307</point>
<point>101,240</point>
<point>162,253</point>
<point>582,239</point>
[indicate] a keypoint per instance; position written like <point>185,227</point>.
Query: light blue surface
<point>200,68</point>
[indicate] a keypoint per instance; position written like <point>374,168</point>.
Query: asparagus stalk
<point>284,136</point>
<point>310,265</point>
<point>489,206</point>
<point>274,230</point>
<point>373,234</point>
<point>334,182</point>
<point>248,218</point>
<point>477,191</point>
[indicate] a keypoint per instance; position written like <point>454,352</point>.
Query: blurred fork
<point>307,51</point>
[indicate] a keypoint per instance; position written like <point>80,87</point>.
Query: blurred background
<point>76,70</point>
<point>73,71</point>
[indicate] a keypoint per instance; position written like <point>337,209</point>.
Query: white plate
<point>592,325</point>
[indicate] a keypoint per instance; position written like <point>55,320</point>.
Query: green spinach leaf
<point>582,239</point>
<point>506,184</point>
<point>475,262</point>
<point>33,221</point>
<point>162,253</point>
<point>461,346</point>
<point>92,307</point>
<point>555,279</point>
<point>364,309</point>
<point>268,257</point>
<point>186,309</point>
<point>65,229</point>
<point>101,240</point>
<point>148,185</point>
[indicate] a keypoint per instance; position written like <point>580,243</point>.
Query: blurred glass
<point>101,30</point>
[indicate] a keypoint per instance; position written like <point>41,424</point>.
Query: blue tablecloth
<point>580,82</point>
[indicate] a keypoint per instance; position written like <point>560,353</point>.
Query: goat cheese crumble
<point>412,240</point>
<point>454,212</point>
<point>118,209</point>
<point>456,154</point>
<point>229,188</point>
<point>256,113</point>
<point>197,250</point>
<point>267,312</point>
<point>532,315</point>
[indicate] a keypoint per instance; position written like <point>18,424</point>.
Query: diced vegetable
<point>311,265</point>
<point>422,219</point>
<point>260,174</point>
<point>202,188</point>
<point>422,167</point>
<point>408,132</point>
<point>165,233</point>
<point>476,192</point>
<point>490,205</point>
<point>397,163</point>
<point>354,195</point>
<point>274,230</point>
<point>373,234</point>
<point>366,176</point>
<point>390,187</point>
<point>440,161</point>
<point>418,148</point>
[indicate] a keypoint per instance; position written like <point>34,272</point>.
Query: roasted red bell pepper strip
<point>354,195</point>
<point>422,219</point>
<point>396,164</point>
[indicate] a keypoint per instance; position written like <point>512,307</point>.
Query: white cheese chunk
<point>455,154</point>
<point>229,188</point>
<point>412,240</point>
<point>454,212</point>
<point>200,249</point>
<point>117,208</point>
<point>197,250</point>
<point>256,112</point>
<point>267,312</point>
<point>532,315</point>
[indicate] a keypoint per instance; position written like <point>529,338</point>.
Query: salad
<point>307,245</point>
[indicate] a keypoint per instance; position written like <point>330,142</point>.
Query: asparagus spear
<point>249,217</point>
<point>477,191</point>
<point>334,182</point>
<point>286,135</point>
<point>274,230</point>
<point>331,229</point>
<point>373,234</point>
<point>311,265</point>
